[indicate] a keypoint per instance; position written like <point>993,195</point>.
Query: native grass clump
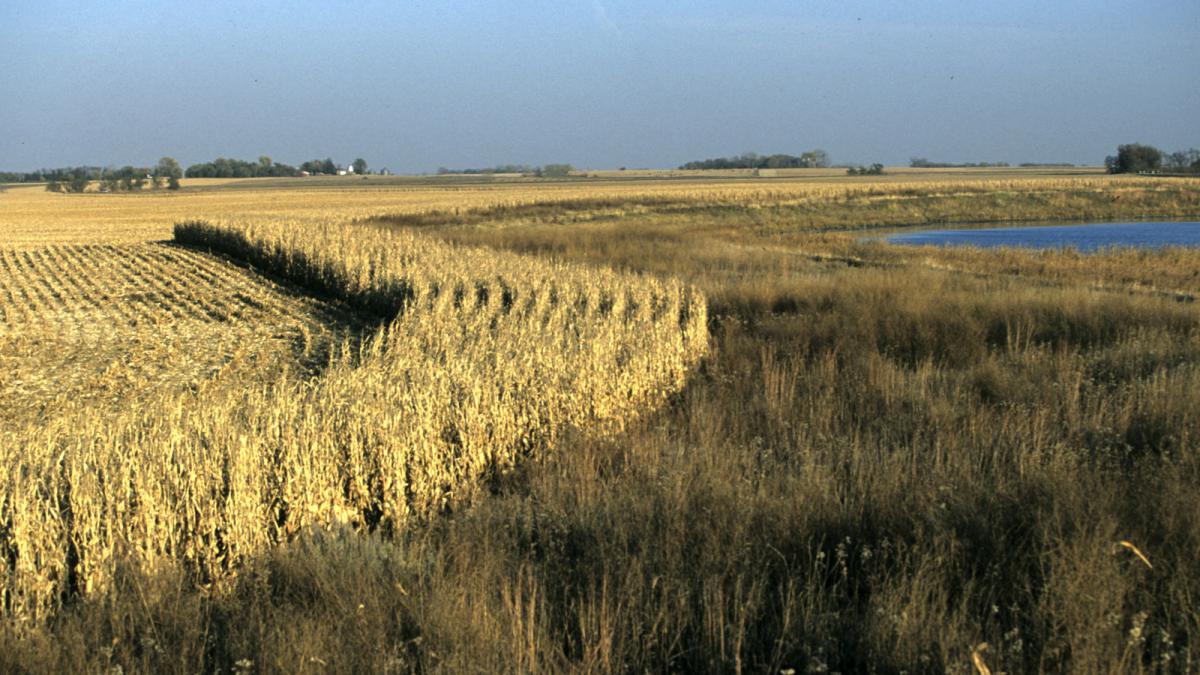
<point>478,359</point>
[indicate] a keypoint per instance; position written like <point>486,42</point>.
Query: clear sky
<point>597,83</point>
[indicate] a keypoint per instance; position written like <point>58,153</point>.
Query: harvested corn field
<point>83,326</point>
<point>482,358</point>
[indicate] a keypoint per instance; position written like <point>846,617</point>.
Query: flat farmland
<point>32,217</point>
<point>682,424</point>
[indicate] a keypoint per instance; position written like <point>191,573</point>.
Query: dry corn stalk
<point>483,357</point>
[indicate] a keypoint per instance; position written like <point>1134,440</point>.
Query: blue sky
<point>597,83</point>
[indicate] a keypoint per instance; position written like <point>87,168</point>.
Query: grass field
<point>671,425</point>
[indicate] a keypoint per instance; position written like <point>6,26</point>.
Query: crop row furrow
<point>68,275</point>
<point>151,295</point>
<point>175,298</point>
<point>56,302</point>
<point>65,318</point>
<point>230,290</point>
<point>74,319</point>
<point>28,297</point>
<point>105,262</point>
<point>240,294</point>
<point>261,298</point>
<point>92,265</point>
<point>10,291</point>
<point>215,271</point>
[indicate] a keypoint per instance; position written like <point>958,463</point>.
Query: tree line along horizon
<point>1130,158</point>
<point>167,173</point>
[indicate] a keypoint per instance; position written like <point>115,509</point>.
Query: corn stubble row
<point>489,357</point>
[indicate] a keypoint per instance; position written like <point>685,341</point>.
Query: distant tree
<point>359,166</point>
<point>1134,158</point>
<point>79,180</point>
<point>167,171</point>
<point>781,162</point>
<point>1183,161</point>
<point>132,179</point>
<point>315,166</point>
<point>814,159</point>
<point>53,185</point>
<point>167,166</point>
<point>557,170</point>
<point>110,181</point>
<point>264,164</point>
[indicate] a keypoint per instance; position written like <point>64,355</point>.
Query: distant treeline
<point>875,169</point>
<point>501,168</point>
<point>125,179</point>
<point>43,175</point>
<point>1138,158</point>
<point>265,167</point>
<point>813,159</point>
<point>547,171</point>
<point>922,163</point>
<point>76,178</point>
<point>223,167</point>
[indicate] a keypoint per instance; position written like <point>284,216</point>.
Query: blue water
<point>1082,237</point>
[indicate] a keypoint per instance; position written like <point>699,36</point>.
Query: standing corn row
<point>483,357</point>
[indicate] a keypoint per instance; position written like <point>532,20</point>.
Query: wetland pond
<point>1087,238</point>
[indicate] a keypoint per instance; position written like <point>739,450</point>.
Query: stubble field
<point>595,426</point>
